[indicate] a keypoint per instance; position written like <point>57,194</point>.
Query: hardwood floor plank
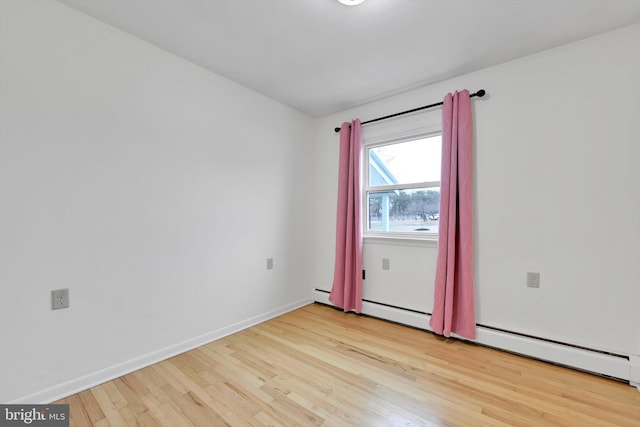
<point>317,366</point>
<point>78,415</point>
<point>91,406</point>
<point>108,408</point>
<point>166,412</point>
<point>198,413</point>
<point>135,405</point>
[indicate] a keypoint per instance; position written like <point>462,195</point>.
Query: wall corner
<point>634,375</point>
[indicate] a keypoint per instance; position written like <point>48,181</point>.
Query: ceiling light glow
<point>351,2</point>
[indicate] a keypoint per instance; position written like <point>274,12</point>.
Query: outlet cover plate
<point>269,263</point>
<point>533,280</point>
<point>59,299</point>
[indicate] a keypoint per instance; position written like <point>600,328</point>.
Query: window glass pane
<point>405,162</point>
<point>415,210</point>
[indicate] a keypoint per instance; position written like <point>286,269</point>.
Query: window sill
<point>430,241</point>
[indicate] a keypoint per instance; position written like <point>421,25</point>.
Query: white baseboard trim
<point>85,382</point>
<point>566,355</point>
<point>620,367</point>
<point>393,314</point>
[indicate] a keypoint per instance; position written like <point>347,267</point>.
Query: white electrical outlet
<point>533,280</point>
<point>59,299</point>
<point>269,263</point>
<point>385,263</point>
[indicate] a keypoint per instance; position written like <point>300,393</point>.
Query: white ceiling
<point>320,57</point>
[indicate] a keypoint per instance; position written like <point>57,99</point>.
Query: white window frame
<point>408,128</point>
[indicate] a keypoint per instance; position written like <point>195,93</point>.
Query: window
<point>402,187</point>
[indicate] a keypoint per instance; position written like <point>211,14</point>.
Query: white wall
<point>557,192</point>
<point>151,188</point>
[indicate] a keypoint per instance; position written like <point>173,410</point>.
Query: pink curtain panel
<point>454,302</point>
<point>347,278</point>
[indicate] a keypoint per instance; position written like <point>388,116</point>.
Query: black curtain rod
<point>479,94</point>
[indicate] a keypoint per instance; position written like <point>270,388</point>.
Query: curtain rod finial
<point>481,93</point>
<point>337,130</point>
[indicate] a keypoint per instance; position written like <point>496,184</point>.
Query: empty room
<point>319,212</point>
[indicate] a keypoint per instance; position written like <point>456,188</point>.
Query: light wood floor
<point>319,366</point>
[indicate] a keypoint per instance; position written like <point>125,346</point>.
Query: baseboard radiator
<point>616,366</point>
